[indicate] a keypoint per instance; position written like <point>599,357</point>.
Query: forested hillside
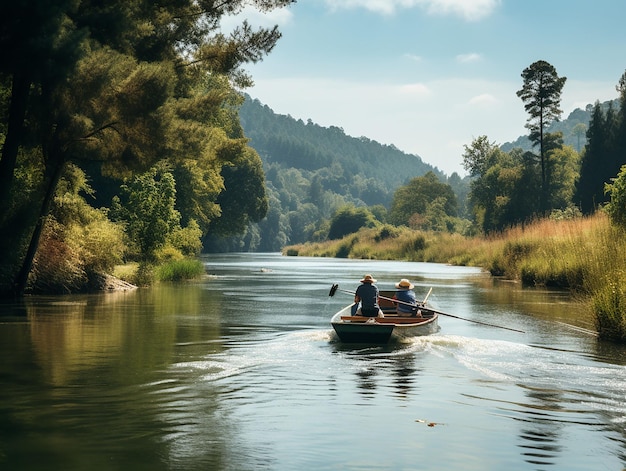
<point>574,129</point>
<point>311,171</point>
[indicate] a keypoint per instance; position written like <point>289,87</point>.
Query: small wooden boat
<point>360,329</point>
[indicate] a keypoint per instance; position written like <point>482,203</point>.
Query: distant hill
<point>311,171</point>
<point>288,142</point>
<point>566,126</point>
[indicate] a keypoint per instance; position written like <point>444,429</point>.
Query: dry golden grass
<point>586,255</point>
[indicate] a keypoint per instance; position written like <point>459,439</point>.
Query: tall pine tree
<point>541,94</point>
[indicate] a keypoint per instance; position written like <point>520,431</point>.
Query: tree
<point>348,220</point>
<point>541,94</point>
<point>147,210</point>
<point>616,207</point>
<point>505,185</point>
<point>579,131</point>
<point>96,83</point>
<point>620,132</point>
<point>416,196</point>
<point>243,199</point>
<point>598,164</point>
<point>479,155</point>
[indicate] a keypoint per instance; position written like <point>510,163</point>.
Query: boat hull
<point>353,329</point>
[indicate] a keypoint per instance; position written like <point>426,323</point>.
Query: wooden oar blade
<point>333,290</point>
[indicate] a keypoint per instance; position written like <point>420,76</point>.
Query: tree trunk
<point>17,113</point>
<point>21,280</point>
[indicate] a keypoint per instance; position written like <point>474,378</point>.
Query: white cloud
<point>468,58</point>
<point>483,99</point>
<point>415,89</point>
<point>470,10</point>
<point>413,57</point>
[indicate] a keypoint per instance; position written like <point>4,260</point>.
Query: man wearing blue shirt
<point>367,295</point>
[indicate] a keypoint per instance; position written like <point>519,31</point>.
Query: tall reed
<point>585,255</point>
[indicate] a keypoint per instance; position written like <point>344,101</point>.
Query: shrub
<point>56,268</point>
<point>188,239</point>
<point>416,243</point>
<point>387,232</point>
<point>144,276</point>
<point>349,220</point>
<point>616,208</point>
<point>609,304</point>
<point>180,270</point>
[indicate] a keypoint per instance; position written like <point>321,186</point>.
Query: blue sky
<point>429,76</point>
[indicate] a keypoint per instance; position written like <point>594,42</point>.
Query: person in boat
<point>367,296</point>
<point>406,294</point>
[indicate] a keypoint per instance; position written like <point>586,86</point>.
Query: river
<point>242,371</point>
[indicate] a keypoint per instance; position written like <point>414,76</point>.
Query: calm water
<point>241,371</point>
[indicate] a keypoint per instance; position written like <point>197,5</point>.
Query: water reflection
<point>541,436</point>
<point>78,333</point>
<point>205,376</point>
<point>393,365</point>
<point>405,375</point>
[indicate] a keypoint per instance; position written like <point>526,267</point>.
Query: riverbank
<point>172,270</point>
<point>584,255</point>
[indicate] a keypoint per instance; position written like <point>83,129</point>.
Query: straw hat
<point>368,279</point>
<point>404,283</point>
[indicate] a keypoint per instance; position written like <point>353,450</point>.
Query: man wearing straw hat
<point>406,294</point>
<point>367,295</point>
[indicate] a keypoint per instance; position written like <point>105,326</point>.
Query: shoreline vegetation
<point>137,274</point>
<point>585,255</point>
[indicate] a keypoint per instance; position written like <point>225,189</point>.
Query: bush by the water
<point>609,304</point>
<point>180,270</point>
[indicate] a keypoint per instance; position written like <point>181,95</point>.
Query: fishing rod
<point>335,287</point>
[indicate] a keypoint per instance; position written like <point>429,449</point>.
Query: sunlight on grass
<point>585,255</point>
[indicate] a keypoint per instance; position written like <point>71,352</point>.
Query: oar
<point>475,322</point>
<point>429,291</point>
<point>335,288</point>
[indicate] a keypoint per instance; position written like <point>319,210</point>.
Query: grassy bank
<point>173,270</point>
<point>585,255</point>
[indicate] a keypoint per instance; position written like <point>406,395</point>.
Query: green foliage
<point>345,248</point>
<point>243,199</point>
<point>96,83</point>
<point>541,94</point>
<point>506,187</point>
<point>424,201</point>
<point>348,220</point>
<point>307,146</point>
<point>187,239</point>
<point>146,208</point>
<point>387,232</point>
<point>479,156</point>
<point>616,207</point>
<point>179,270</point>
<point>563,170</point>
<point>307,164</point>
<point>414,244</point>
<point>603,155</point>
<point>57,268</point>
<point>609,306</point>
<point>78,241</point>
